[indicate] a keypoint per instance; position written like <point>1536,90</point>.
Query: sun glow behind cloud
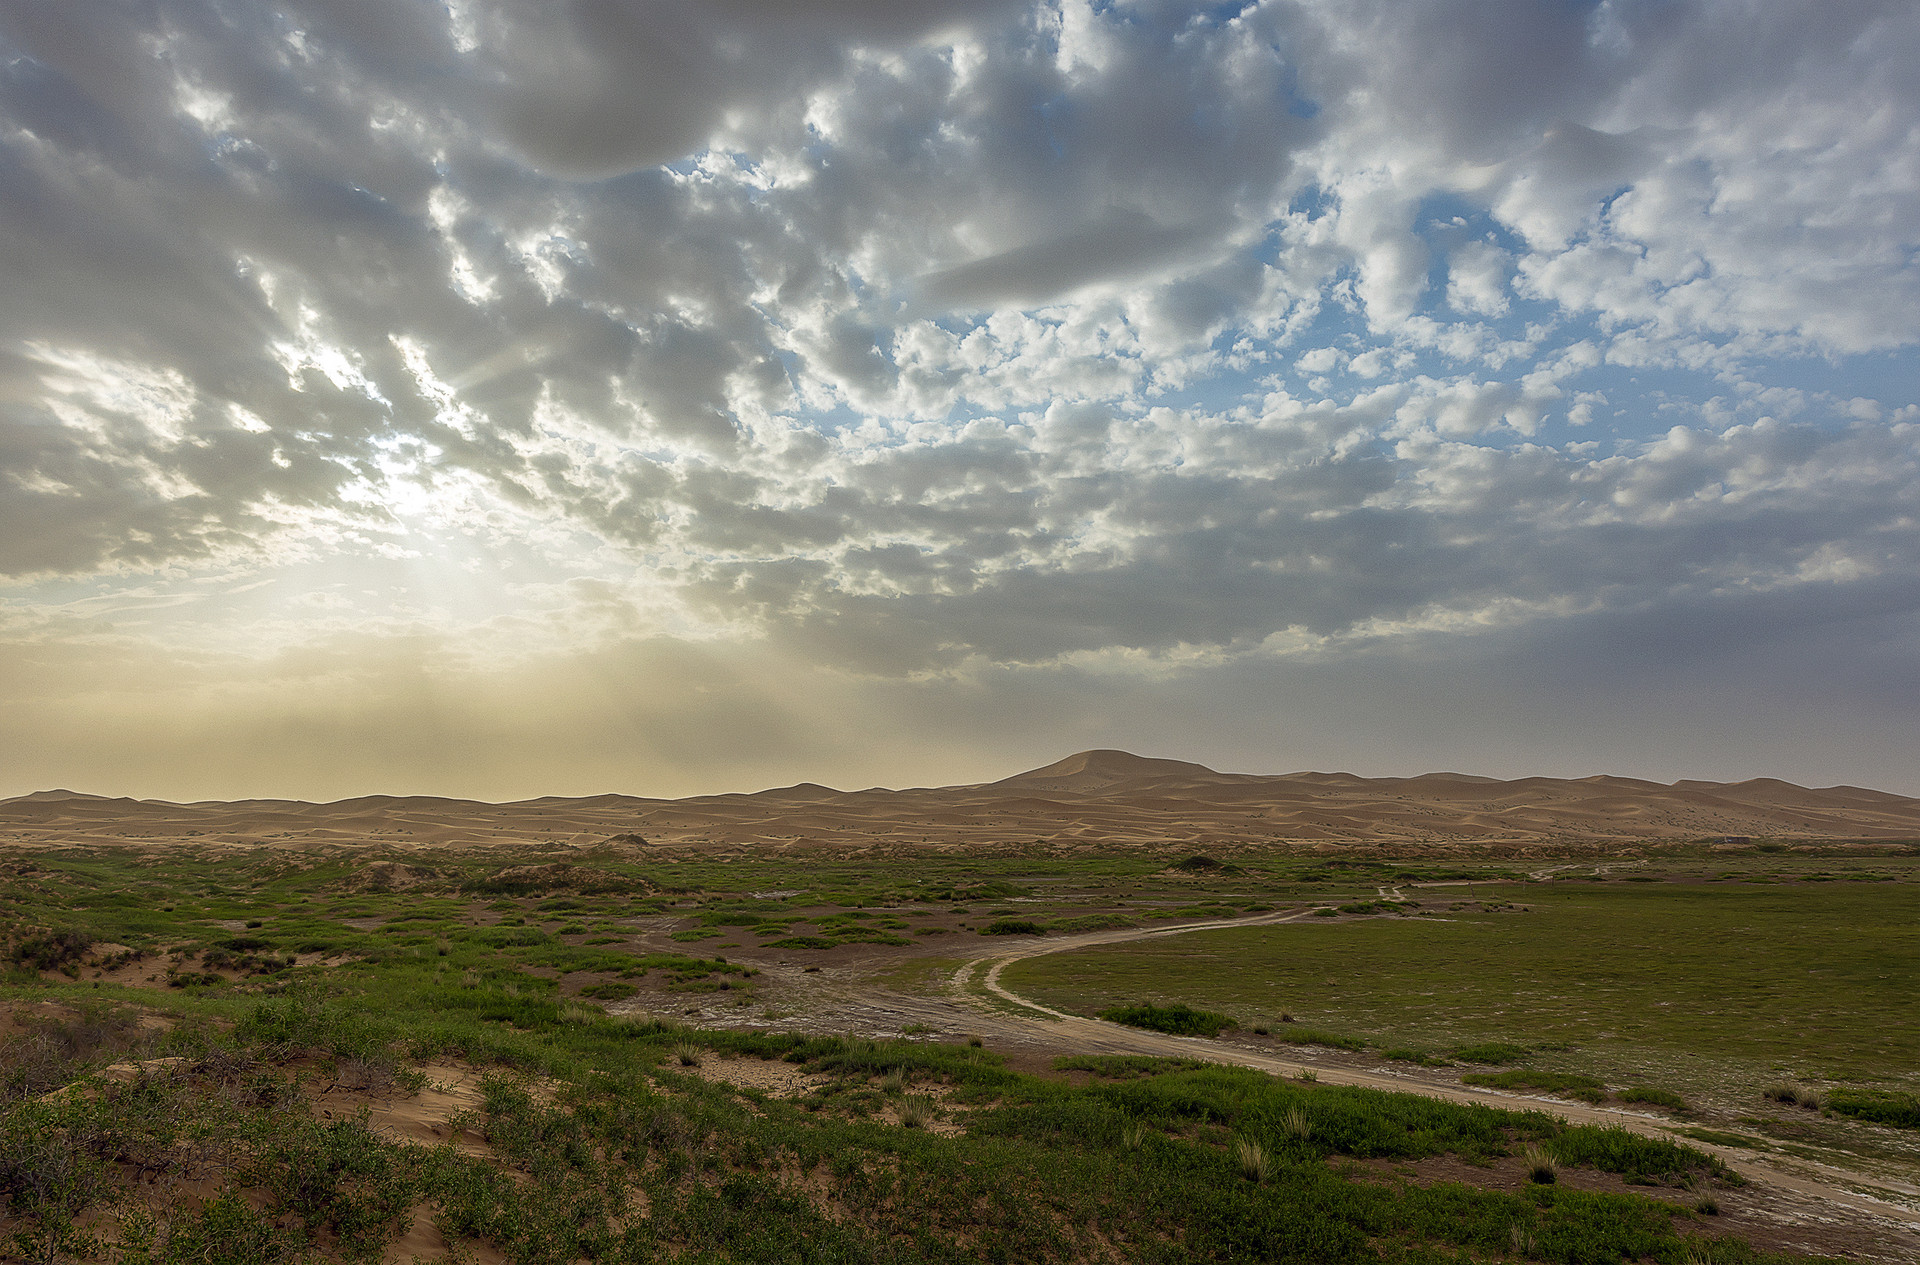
<point>668,397</point>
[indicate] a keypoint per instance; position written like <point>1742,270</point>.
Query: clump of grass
<point>1707,1206</point>
<point>1296,1123</point>
<point>1896,1110</point>
<point>893,1082</point>
<point>1308,1075</point>
<point>1652,1096</point>
<point>686,1053</point>
<point>1791,1095</point>
<point>916,1111</point>
<point>1133,1136</point>
<point>1252,1159</point>
<point>1332,1040</point>
<point>1542,1168</point>
<point>1179,1019</point>
<point>976,1041</point>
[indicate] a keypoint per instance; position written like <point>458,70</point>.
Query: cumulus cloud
<point>922,341</point>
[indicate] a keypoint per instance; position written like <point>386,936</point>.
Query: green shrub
<point>1179,1019</point>
<point>1901,1111</point>
<point>1090,922</point>
<point>1313,1036</point>
<point>1013,927</point>
<point>1665,1099</point>
<point>52,950</point>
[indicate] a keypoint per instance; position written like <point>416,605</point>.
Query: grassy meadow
<point>1714,988</point>
<point>268,1013</point>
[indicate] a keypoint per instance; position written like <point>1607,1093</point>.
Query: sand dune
<point>1093,798</point>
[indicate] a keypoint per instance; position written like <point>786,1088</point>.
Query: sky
<point>503,399</point>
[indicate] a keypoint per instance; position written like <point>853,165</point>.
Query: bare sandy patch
<point>771,1077</point>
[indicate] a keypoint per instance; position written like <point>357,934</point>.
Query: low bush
<point>1013,927</point>
<point>52,950</point>
<point>1179,1019</point>
<point>1791,1095</point>
<point>1901,1111</point>
<point>1652,1096</point>
<point>1090,922</point>
<point>1314,1036</point>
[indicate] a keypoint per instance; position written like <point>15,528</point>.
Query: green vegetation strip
<point>1766,976</point>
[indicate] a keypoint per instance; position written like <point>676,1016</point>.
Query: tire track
<point>1887,1199</point>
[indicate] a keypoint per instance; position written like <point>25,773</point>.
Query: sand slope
<point>1102,798</point>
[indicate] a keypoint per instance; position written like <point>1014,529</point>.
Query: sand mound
<point>1092,799</point>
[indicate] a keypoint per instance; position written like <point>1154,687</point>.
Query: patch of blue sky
<point>1891,378</point>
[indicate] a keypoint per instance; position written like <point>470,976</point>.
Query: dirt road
<point>974,999</point>
<point>1895,1201</point>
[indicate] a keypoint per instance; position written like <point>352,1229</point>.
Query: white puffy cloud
<point>926,340</point>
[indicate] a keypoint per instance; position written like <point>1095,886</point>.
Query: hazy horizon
<point>898,787</point>
<point>424,399</point>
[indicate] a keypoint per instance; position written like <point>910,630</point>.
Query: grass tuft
<point>1252,1159</point>
<point>1542,1168</point>
<point>916,1111</point>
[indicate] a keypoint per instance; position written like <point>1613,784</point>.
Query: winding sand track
<point>1876,1195</point>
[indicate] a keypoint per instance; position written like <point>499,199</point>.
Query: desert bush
<point>1014,927</point>
<point>51,950</point>
<point>1332,1040</point>
<point>1653,1096</point>
<point>1090,922</point>
<point>1179,1019</point>
<point>1898,1110</point>
<point>1791,1095</point>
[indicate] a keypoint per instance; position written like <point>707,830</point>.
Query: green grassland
<point>1706,986</point>
<point>276,974</point>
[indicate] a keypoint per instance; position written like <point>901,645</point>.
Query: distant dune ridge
<point>1091,799</point>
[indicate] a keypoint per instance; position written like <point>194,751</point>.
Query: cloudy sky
<point>498,399</point>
